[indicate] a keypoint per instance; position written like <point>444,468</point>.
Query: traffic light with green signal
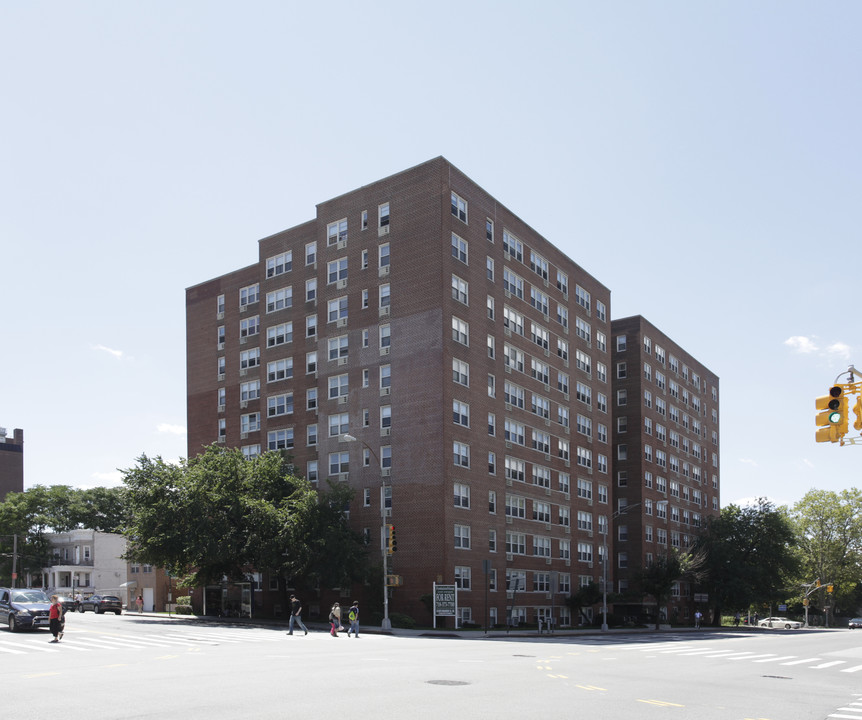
<point>391,541</point>
<point>831,415</point>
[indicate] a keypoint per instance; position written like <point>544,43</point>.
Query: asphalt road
<point>132,667</point>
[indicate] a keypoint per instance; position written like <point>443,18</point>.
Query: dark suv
<point>102,603</point>
<point>24,609</point>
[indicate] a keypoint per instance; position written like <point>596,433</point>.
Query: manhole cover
<point>447,682</point>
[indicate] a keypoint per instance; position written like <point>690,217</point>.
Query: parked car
<point>69,604</point>
<point>855,623</point>
<point>102,603</point>
<point>24,609</point>
<point>780,622</point>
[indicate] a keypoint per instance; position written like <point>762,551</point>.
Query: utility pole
<point>14,561</point>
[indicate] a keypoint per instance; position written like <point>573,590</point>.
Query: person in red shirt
<point>56,617</point>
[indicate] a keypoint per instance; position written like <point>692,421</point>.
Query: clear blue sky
<point>700,159</point>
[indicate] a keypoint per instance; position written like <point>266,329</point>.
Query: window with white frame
<point>460,372</point>
<point>460,331</point>
<point>459,249</point>
<point>336,232</point>
<point>248,295</point>
<point>461,495</point>
<point>460,413</point>
<point>461,454</point>
<point>462,537</point>
<point>279,334</point>
<point>460,290</point>
<point>279,299</point>
<point>462,581</point>
<point>459,207</point>
<point>280,439</point>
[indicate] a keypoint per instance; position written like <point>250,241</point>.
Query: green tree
<point>586,596</point>
<point>221,514</point>
<point>657,578</point>
<point>748,556</point>
<point>59,508</point>
<point>828,529</point>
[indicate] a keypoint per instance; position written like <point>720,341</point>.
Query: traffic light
<point>831,415</point>
<point>392,542</point>
<point>829,588</point>
<point>857,408</point>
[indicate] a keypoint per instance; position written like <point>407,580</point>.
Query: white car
<point>779,622</point>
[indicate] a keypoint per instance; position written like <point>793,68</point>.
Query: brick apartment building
<point>666,454</point>
<point>467,355</point>
<point>11,462</point>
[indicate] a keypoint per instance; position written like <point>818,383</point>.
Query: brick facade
<point>666,452</point>
<point>450,338</point>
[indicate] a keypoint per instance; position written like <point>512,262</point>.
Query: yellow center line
<point>39,675</point>
<point>591,687</point>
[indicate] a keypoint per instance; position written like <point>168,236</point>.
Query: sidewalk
<point>496,633</point>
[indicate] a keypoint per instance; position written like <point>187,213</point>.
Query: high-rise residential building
<point>467,356</point>
<point>666,457</point>
<point>11,462</point>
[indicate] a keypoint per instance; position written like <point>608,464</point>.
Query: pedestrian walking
<point>736,619</point>
<point>295,610</point>
<point>353,617</point>
<point>139,601</point>
<point>55,617</point>
<point>78,600</point>
<point>335,620</point>
<point>698,616</point>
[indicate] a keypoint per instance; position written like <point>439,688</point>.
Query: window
<point>220,305</point>
<point>311,290</point>
<point>383,255</point>
<point>585,552</point>
<point>311,326</point>
<point>249,359</point>
<point>385,336</point>
<point>248,295</point>
<point>279,299</point>
<point>338,386</point>
<point>337,347</point>
<point>339,424</point>
<point>459,248</point>
<point>462,537</point>
<point>541,546</point>
<point>280,439</point>
<point>513,284</point>
<point>460,331</point>
<point>541,476</point>
<point>492,503</point>
<point>516,544</point>
<point>461,372</point>
<point>461,454</point>
<point>383,215</point>
<point>462,582</point>
<point>311,434</point>
<point>336,232</point>
<point>279,264</point>
<point>336,270</point>
<point>541,511</point>
<point>339,462</point>
<point>514,432</point>
<point>461,495</point>
<point>385,416</point>
<point>385,376</point>
<point>515,469</point>
<point>459,207</point>
<point>311,362</point>
<point>385,295</point>
<point>512,246</point>
<point>460,413</point>
<point>460,290</point>
<point>601,311</point>
<point>249,423</point>
<point>539,300</point>
<point>539,265</point>
<point>516,506</point>
<point>311,399</point>
<point>249,390</point>
<point>337,309</point>
<point>279,334</point>
<point>279,405</point>
<point>541,371</point>
<point>249,326</point>
<point>279,370</point>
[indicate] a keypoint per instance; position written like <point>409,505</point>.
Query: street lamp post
<point>386,624</point>
<point>614,516</point>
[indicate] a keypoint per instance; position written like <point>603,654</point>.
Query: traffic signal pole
<point>833,411</point>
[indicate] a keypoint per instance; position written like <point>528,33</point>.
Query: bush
<point>400,620</point>
<point>184,605</point>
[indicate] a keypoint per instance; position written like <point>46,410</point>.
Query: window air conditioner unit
<point>383,231</point>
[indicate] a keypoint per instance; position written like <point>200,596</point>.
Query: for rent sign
<point>445,601</point>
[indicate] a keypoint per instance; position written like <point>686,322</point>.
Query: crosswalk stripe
<point>828,664</point>
<point>801,662</point>
<point>855,668</point>
<point>776,659</point>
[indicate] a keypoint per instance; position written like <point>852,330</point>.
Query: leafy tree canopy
<point>749,555</point>
<point>220,514</point>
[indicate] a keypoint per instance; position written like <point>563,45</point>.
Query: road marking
<point>41,675</point>
<point>563,677</point>
<point>697,652</point>
<point>800,662</point>
<point>855,668</point>
<point>592,687</point>
<point>116,665</point>
<point>828,664</point>
<point>751,657</point>
<point>776,659</point>
<point>166,657</point>
<point>849,717</point>
<point>29,646</point>
<point>10,650</point>
<point>661,703</point>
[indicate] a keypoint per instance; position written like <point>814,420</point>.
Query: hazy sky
<point>701,159</point>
